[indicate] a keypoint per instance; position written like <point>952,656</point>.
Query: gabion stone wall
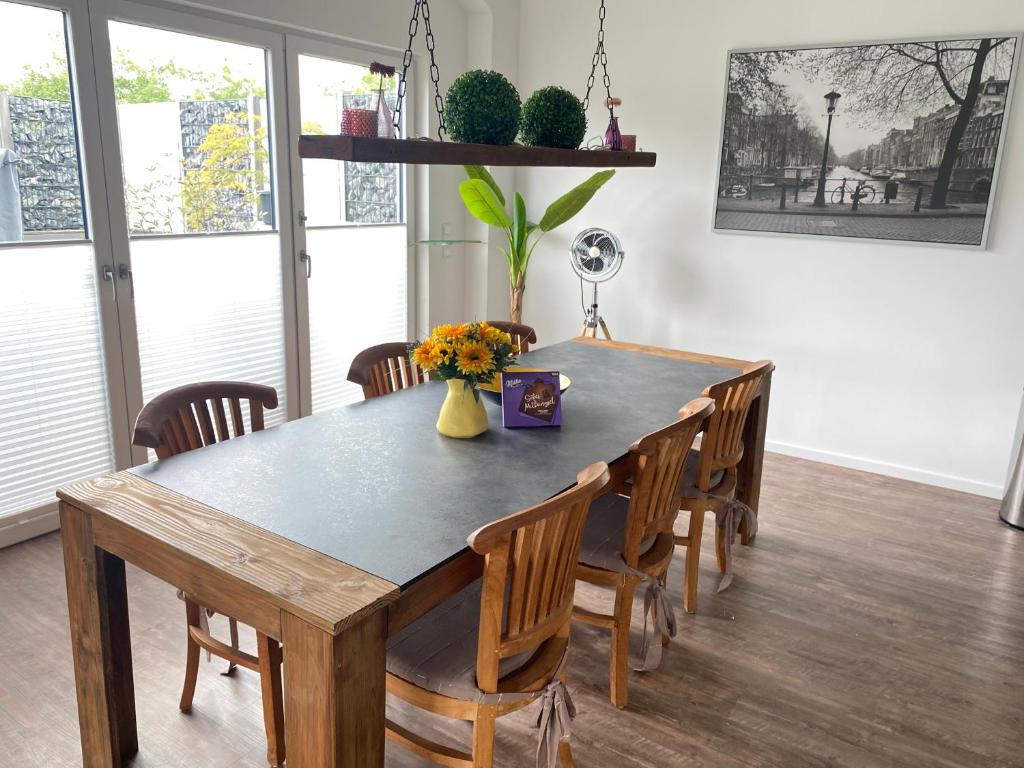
<point>43,137</point>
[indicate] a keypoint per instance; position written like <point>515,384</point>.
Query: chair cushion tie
<point>554,721</point>
<point>729,517</point>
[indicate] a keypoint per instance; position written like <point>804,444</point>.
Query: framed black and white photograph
<point>884,141</point>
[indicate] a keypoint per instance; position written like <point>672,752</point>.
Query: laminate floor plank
<point>874,623</point>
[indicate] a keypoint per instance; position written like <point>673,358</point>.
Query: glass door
<point>200,169</point>
<point>351,224</point>
<point>62,415</point>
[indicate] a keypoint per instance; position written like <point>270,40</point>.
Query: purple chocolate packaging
<point>530,399</point>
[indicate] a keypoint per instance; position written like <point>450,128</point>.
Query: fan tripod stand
<point>592,320</point>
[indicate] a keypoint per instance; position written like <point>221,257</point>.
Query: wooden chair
<point>523,335</point>
<point>709,482</point>
<point>502,642</point>
<point>629,541</point>
<point>183,419</point>
<point>385,368</point>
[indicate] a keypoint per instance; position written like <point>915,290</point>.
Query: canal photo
<point>885,141</point>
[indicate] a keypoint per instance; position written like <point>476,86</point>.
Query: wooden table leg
<point>334,691</point>
<point>101,644</point>
<point>748,488</point>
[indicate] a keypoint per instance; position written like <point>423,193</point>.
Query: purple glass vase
<point>612,137</point>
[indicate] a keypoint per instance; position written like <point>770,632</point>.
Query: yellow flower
<point>444,350</point>
<point>493,335</point>
<point>459,331</point>
<point>426,356</point>
<point>474,358</point>
<point>443,331</point>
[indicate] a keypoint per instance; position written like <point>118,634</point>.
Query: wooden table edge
<point>94,498</point>
<point>676,354</point>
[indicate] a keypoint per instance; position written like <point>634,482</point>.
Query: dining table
<point>331,532</point>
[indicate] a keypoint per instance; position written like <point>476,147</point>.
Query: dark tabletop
<point>374,485</point>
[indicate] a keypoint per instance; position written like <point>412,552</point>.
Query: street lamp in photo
<point>830,101</point>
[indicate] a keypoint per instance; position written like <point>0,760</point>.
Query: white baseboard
<point>925,476</point>
<point>28,525</point>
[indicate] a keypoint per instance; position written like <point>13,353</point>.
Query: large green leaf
<point>519,223</point>
<point>479,172</point>
<point>573,201</point>
<point>481,201</point>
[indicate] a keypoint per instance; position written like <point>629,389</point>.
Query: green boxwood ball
<point>482,107</point>
<point>553,117</point>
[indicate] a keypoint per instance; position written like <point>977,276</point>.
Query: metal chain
<point>600,57</point>
<point>414,25</point>
<point>435,74</point>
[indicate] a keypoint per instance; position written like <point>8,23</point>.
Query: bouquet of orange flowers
<point>475,352</point>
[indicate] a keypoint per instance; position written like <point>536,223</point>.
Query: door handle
<point>307,259</point>
<point>108,276</point>
<point>125,273</point>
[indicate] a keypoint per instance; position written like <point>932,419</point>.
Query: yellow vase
<point>463,413</point>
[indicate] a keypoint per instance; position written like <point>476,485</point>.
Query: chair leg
<point>619,672</point>
<point>565,755</point>
<point>692,565</point>
<point>273,699</point>
<point>483,736</point>
<point>720,548</point>
<point>188,690</point>
<point>745,537</point>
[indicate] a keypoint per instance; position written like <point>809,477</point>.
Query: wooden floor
<point>875,622</point>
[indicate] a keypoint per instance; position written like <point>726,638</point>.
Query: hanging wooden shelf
<point>422,152</point>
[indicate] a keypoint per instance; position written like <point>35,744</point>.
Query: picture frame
<point>768,182</point>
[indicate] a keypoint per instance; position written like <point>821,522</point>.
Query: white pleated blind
<point>209,307</point>
<point>358,297</point>
<point>54,425</point>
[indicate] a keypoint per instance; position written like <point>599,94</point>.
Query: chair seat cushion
<point>437,652</point>
<point>688,484</point>
<point>605,534</point>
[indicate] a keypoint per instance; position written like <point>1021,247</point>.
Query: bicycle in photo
<point>844,192</point>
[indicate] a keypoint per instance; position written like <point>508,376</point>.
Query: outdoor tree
<point>222,189</point>
<point>886,81</point>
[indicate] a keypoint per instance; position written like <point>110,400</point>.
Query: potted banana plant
<point>485,201</point>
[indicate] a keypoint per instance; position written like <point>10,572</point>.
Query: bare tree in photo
<point>883,80</point>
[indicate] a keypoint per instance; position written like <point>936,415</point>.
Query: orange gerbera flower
<point>426,356</point>
<point>474,358</point>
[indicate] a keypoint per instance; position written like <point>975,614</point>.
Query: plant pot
<point>359,122</point>
<point>463,413</point>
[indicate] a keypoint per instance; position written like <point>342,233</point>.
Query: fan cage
<point>611,254</point>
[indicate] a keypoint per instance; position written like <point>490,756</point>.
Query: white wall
<point>903,360</point>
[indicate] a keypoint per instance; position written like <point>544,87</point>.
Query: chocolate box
<point>531,399</point>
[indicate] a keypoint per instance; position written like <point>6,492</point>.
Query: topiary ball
<point>553,117</point>
<point>482,107</point>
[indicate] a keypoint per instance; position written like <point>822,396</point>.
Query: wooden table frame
<point>332,619</point>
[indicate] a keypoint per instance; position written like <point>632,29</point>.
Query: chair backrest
<point>722,444</point>
<point>195,415</point>
<point>523,335</point>
<point>657,461</point>
<point>529,581</point>
<point>385,368</point>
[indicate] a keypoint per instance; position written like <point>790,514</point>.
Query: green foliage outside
<point>230,175</point>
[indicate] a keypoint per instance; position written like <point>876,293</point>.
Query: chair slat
<point>205,422</point>
<point>222,419</point>
<point>237,422</point>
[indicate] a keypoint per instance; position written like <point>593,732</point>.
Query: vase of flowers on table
<point>464,356</point>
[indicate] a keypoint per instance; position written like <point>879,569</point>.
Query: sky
<point>808,91</point>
